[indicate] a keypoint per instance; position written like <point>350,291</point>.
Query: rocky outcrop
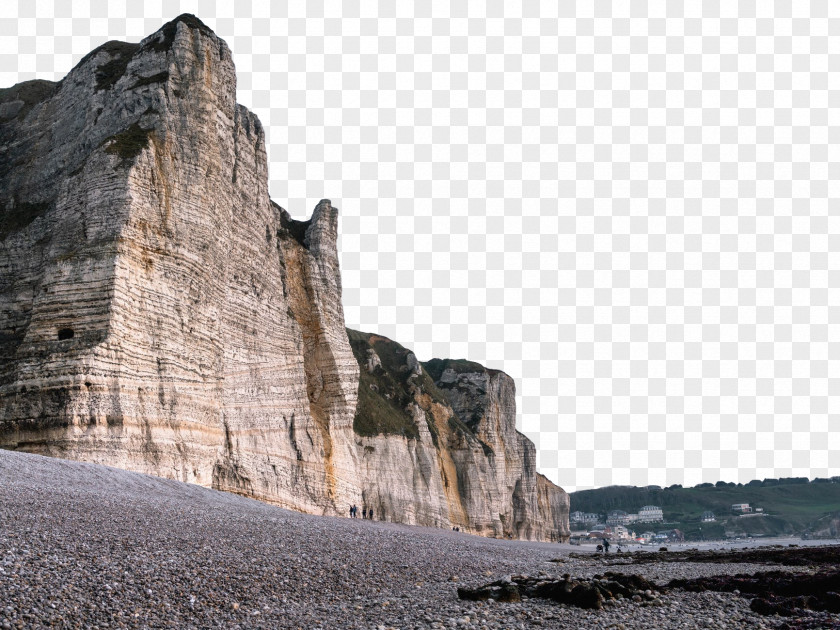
<point>594,592</point>
<point>159,313</point>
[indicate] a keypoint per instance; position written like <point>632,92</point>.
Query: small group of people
<point>456,529</point>
<point>366,512</point>
<point>605,546</point>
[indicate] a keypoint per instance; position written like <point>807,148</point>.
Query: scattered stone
<point>69,528</point>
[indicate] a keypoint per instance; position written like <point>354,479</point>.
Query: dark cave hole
<point>65,333</point>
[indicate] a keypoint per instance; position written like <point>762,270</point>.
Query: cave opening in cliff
<point>65,333</point>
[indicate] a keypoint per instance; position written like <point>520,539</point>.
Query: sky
<point>629,207</point>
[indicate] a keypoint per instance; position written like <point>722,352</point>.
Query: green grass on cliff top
<point>129,143</point>
<point>384,395</point>
<point>436,367</point>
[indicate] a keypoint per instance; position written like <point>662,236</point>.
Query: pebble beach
<point>87,546</point>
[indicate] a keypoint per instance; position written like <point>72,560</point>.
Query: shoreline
<point>719,544</point>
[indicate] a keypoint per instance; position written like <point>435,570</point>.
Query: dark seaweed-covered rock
<point>784,606</point>
<point>588,593</point>
<point>775,592</point>
<point>828,555</point>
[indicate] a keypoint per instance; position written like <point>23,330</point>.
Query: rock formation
<point>455,421</point>
<point>159,313</point>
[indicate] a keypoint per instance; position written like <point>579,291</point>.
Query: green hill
<point>793,506</point>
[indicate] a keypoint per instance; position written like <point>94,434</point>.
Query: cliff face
<point>455,422</point>
<point>159,313</point>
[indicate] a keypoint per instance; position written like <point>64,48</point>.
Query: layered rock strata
<point>159,313</point>
<point>455,421</point>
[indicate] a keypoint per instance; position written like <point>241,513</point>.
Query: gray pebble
<point>89,546</point>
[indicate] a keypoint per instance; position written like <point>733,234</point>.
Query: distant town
<point>619,526</point>
<point>789,506</point>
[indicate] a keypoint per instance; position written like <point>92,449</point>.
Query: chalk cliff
<point>455,422</point>
<point>159,313</point>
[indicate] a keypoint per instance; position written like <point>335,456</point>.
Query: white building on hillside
<point>651,514</point>
<point>583,517</point>
<point>617,517</point>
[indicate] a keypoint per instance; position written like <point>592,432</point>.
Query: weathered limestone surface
<point>455,421</point>
<point>520,502</point>
<point>158,312</point>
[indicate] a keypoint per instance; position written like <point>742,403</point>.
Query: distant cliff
<point>455,423</point>
<point>158,312</point>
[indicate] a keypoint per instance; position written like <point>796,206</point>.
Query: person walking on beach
<point>351,511</point>
<point>606,546</point>
<point>370,513</point>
